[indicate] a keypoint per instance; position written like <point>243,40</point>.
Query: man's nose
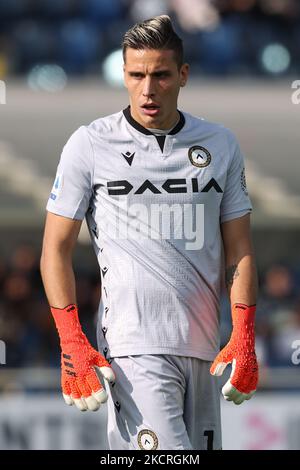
<point>148,89</point>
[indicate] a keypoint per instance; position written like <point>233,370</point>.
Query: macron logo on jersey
<point>129,157</point>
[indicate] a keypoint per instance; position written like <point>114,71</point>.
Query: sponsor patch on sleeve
<point>57,186</point>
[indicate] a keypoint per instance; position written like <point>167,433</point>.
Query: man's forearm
<point>241,279</point>
<point>240,350</point>
<point>80,381</point>
<point>58,279</point>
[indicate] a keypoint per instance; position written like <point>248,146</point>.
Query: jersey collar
<point>145,131</point>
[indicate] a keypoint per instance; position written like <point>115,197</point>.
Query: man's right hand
<point>82,366</point>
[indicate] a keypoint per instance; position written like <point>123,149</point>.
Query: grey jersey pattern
<point>154,211</point>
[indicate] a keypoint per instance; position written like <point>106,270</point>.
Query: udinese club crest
<point>199,156</point>
<point>147,440</point>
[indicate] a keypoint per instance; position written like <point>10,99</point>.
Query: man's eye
<point>161,74</point>
<point>136,75</point>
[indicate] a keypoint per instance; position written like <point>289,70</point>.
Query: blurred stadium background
<point>60,61</point>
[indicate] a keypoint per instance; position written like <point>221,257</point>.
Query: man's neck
<point>162,131</point>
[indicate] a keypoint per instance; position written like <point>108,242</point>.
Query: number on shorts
<point>210,439</point>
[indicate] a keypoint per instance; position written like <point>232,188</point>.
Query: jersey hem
<point>136,351</point>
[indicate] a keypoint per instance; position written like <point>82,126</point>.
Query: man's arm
<point>241,280</point>
<point>240,270</point>
<point>59,241</point>
<point>79,360</point>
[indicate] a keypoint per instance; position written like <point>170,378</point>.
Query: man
<point>161,191</point>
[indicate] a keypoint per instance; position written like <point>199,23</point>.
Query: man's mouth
<point>150,105</point>
<point>150,109</point>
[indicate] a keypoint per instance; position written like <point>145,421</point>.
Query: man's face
<point>153,80</point>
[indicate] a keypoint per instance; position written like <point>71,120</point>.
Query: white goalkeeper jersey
<point>154,205</point>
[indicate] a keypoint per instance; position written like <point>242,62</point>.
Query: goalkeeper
<point>165,200</point>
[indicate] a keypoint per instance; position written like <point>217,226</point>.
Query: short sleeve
<point>73,184</point>
<point>235,202</point>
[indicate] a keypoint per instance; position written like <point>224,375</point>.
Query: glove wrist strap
<point>67,323</point>
<point>243,320</point>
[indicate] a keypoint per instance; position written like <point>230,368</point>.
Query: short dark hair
<point>155,33</point>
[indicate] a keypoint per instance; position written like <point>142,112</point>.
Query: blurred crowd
<point>27,327</point>
<point>221,36</point>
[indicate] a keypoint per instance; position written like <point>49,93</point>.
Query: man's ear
<point>184,74</point>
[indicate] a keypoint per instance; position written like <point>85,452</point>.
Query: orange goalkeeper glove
<point>240,351</point>
<point>79,363</point>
